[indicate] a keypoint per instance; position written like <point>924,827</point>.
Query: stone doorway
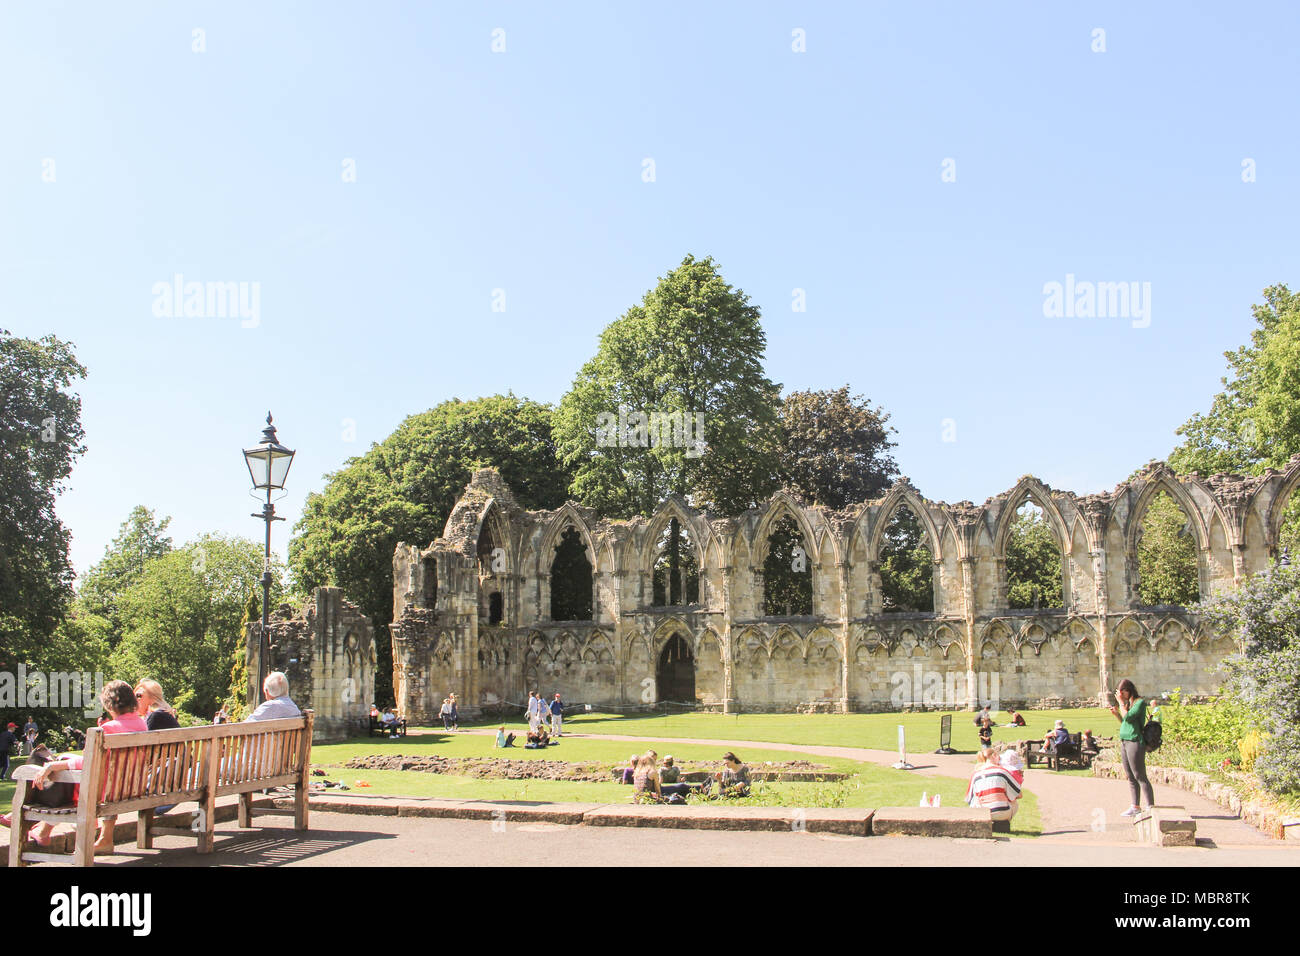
<point>675,675</point>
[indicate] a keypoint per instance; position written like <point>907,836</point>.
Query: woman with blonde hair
<point>645,779</point>
<point>153,707</point>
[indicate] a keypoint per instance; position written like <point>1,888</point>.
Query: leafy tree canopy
<point>182,618</point>
<point>1254,423</point>
<point>694,346</point>
<point>140,539</point>
<point>40,421</point>
<point>835,447</point>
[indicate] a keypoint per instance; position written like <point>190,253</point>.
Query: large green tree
<point>834,448</point>
<point>40,439</point>
<point>182,618</point>
<point>693,347</point>
<point>1254,423</point>
<point>404,488</point>
<point>140,539</point>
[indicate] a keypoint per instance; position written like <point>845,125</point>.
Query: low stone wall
<point>1262,817</point>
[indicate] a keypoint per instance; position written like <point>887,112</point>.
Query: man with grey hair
<point>277,704</point>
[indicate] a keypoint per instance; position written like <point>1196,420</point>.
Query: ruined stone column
<point>728,686</point>
<point>968,611</point>
<point>844,636</point>
<point>1103,624</point>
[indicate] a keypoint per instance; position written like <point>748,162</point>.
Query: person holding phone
<point>1131,711</point>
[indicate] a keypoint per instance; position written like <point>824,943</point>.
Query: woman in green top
<point>1132,714</point>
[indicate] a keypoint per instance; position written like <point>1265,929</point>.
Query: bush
<point>1217,726</point>
<point>1263,615</point>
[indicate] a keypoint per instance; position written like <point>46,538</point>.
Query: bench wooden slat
<point>263,783</point>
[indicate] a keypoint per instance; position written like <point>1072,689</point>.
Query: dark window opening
<point>571,581</point>
<point>787,572</point>
<point>676,578</point>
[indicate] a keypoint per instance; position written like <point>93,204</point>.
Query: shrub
<point>1263,615</point>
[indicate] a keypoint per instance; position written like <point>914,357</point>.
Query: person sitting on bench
<point>119,700</point>
<point>1088,743</point>
<point>1056,737</point>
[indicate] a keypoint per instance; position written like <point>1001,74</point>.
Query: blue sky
<point>522,171</point>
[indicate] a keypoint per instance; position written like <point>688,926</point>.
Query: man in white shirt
<point>277,704</point>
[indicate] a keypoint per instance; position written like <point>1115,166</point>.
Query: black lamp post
<point>268,465</point>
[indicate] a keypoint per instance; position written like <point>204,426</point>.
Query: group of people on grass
<point>999,773</point>
<point>538,714</point>
<point>129,710</point>
<point>663,783</point>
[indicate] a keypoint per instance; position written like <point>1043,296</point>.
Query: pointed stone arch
<point>1164,480</point>
<point>1028,488</point>
<point>781,505</point>
<point>902,494</point>
<point>565,517</point>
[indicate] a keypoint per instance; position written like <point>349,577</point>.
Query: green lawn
<point>873,731</point>
<point>869,785</point>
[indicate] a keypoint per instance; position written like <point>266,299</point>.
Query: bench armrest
<point>28,772</point>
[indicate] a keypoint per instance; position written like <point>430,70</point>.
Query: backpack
<point>1151,734</point>
<point>54,794</point>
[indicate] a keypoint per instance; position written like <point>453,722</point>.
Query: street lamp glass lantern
<point>268,462</point>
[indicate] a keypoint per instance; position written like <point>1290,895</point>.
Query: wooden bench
<point>378,728</point>
<point>1069,753</point>
<point>122,773</point>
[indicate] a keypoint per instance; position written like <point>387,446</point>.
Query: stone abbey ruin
<point>510,600</point>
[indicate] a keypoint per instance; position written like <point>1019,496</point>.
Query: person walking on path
<point>30,733</point>
<point>1131,710</point>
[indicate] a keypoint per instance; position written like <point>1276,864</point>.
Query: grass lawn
<point>869,785</point>
<point>872,731</point>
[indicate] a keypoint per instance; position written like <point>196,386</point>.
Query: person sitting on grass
<point>993,787</point>
<point>1015,718</point>
<point>504,739</point>
<point>119,700</point>
<point>733,779</point>
<point>543,736</point>
<point>630,769</point>
<point>670,780</point>
<point>645,779</point>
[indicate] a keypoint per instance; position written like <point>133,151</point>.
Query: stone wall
<point>848,654</point>
<point>326,649</point>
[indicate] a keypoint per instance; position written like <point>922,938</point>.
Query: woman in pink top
<point>119,700</point>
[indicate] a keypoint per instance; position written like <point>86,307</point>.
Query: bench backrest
<point>123,772</point>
